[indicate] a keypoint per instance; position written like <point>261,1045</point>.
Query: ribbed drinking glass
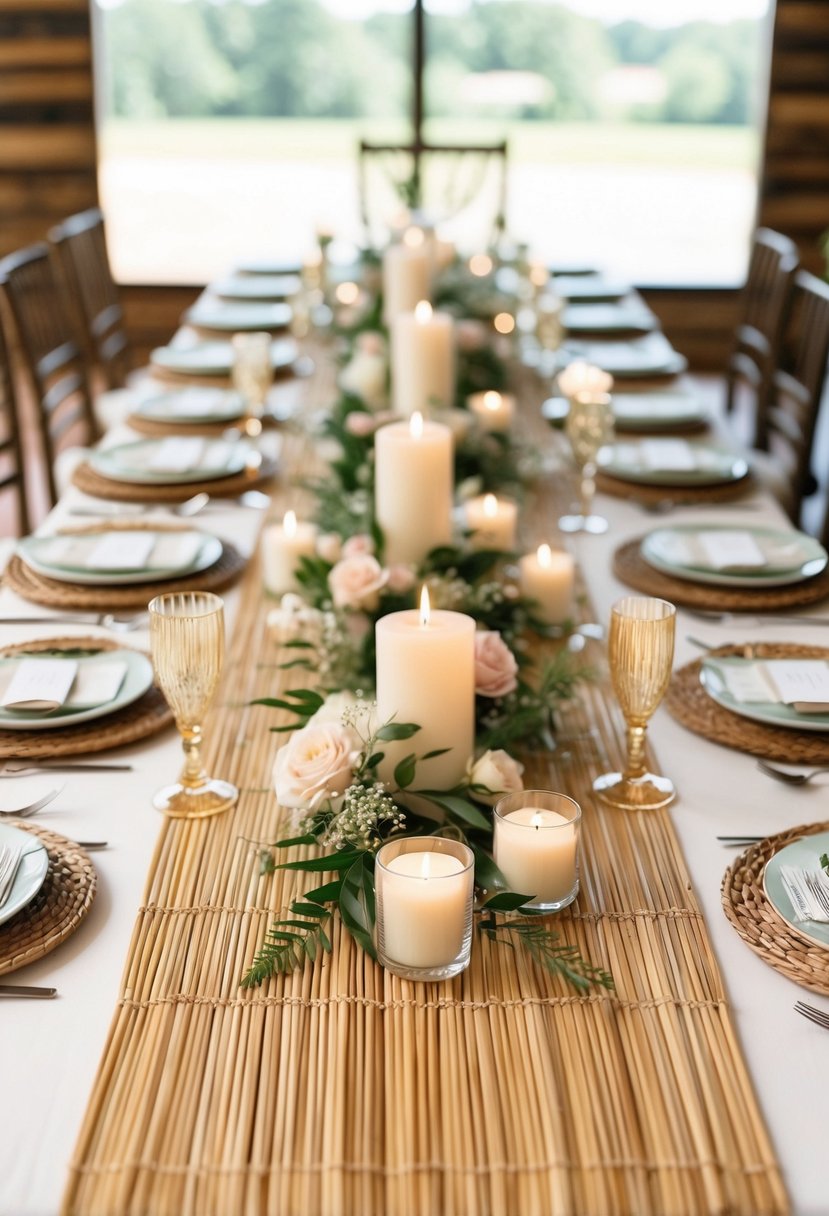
<point>589,427</point>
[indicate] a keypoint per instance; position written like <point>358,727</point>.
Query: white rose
<point>498,772</point>
<point>317,762</point>
<point>295,619</point>
<point>366,376</point>
<point>332,709</point>
<point>356,582</point>
<point>496,668</point>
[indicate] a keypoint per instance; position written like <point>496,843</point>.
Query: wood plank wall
<point>794,195</point>
<point>47,128</point>
<point>47,156</point>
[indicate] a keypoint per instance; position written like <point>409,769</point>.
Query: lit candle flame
<point>425,866</point>
<point>492,400</point>
<point>416,425</point>
<point>490,506</point>
<point>545,556</point>
<point>423,312</point>
<point>425,606</point>
<point>289,523</point>
<point>413,237</point>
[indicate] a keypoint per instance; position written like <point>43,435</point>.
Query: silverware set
<point>10,858</point>
<point>814,1015</point>
<point>106,620</point>
<point>252,499</point>
<point>15,768</point>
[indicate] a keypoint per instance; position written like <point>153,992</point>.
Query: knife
<point>23,990</point>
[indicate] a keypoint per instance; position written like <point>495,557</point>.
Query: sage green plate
<point>770,713</point>
<point>31,550</point>
<point>263,287</point>
<point>791,556</point>
<point>238,317</point>
<point>651,355</point>
<point>31,871</point>
<point>129,462</point>
<point>715,466</point>
<point>659,410</point>
<point>589,287</point>
<point>138,678</point>
<point>194,405</point>
<point>270,266</point>
<point>800,853</point>
<point>215,358</point>
<point>607,318</point>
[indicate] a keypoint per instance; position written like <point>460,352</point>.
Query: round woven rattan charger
<point>54,594</point>
<point>146,716</point>
<point>158,428</point>
<point>648,495</point>
<point>92,482</point>
<point>759,925</point>
<point>630,566</point>
<point>59,906</point>
<point>690,704</point>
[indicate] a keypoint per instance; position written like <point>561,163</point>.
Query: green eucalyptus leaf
<point>507,901</point>
<point>458,808</point>
<point>394,731</point>
<point>404,772</point>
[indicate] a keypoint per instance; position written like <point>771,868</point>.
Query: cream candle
<point>494,411</point>
<point>547,576</point>
<point>282,547</point>
<point>413,487</point>
<point>424,907</point>
<point>581,377</point>
<point>536,846</point>
<point>426,675</point>
<point>407,275</point>
<point>422,360</point>
<point>492,522</point>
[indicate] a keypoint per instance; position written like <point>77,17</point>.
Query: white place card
<point>801,683</point>
<point>177,455</point>
<point>121,551</point>
<point>40,685</point>
<point>175,550</point>
<point>726,550</point>
<point>670,455</point>
<point>97,681</point>
<point>746,683</point>
<point>196,403</point>
<point>217,455</point>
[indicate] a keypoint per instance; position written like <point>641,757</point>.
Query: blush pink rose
<point>318,761</point>
<point>361,425</point>
<point>370,342</point>
<point>356,545</point>
<point>400,579</point>
<point>496,670</point>
<point>470,335</point>
<point>356,582</point>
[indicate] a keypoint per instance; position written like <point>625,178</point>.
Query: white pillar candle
<point>547,576</point>
<point>407,275</point>
<point>423,907</point>
<point>426,675</point>
<point>492,522</point>
<point>413,488</point>
<point>582,377</point>
<point>282,547</point>
<point>494,411</point>
<point>422,360</point>
<point>535,850</point>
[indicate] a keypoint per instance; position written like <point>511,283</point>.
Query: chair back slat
<point>12,466</point>
<point>51,355</point>
<point>81,248</point>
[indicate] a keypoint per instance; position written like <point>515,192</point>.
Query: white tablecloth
<point>49,1050</point>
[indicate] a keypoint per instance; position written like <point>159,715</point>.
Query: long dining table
<point>50,1050</point>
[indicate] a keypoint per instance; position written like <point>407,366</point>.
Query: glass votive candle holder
<point>424,887</point>
<point>536,846</point>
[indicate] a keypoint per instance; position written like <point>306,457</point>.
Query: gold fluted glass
<point>589,427</point>
<point>641,655</point>
<point>187,642</point>
<point>252,376</point>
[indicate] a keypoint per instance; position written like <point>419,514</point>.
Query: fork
<point>814,1015</point>
<point>23,812</point>
<point>17,769</point>
<point>118,624</point>
<point>742,618</point>
<point>779,774</point>
<point>186,509</point>
<point>9,861</point>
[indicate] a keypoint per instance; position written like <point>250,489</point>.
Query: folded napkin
<point>668,455</point>
<point>808,891</point>
<point>803,684</point>
<point>189,403</point>
<point>45,685</point>
<point>727,550</point>
<point>121,552</point>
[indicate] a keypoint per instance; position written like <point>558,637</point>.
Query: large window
<point>230,127</point>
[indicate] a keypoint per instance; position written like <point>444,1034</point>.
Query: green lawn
<point>649,144</point>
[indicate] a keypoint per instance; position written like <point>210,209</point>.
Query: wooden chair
<point>796,391</point>
<point>12,468</point>
<point>51,356</point>
<point>80,243</point>
<point>757,339</point>
<point>442,179</point>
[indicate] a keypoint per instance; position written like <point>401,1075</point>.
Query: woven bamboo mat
<point>342,1090</point>
<point>651,495</point>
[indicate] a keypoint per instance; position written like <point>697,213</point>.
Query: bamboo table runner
<point>340,1090</point>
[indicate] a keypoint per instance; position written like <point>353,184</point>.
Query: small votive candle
<point>282,547</point>
<point>424,889</point>
<point>536,839</point>
<point>492,521</point>
<point>494,411</point>
<point>547,577</point>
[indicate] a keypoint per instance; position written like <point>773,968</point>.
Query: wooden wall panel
<point>794,196</point>
<point>47,130</point>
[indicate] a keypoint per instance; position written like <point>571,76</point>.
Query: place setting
<point>643,358</point>
<point>188,357</point>
<point>263,288</point>
<point>724,567</point>
<point>652,469</point>
<point>173,469</point>
<point>211,314</point>
<point>627,316</point>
